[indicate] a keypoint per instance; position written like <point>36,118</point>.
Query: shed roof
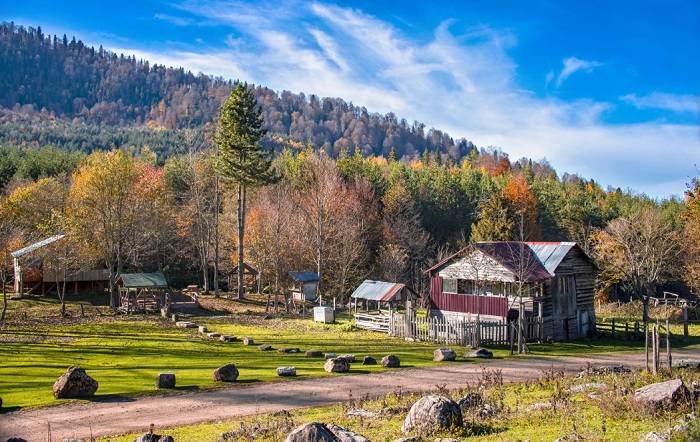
<point>304,276</point>
<point>138,280</point>
<point>551,253</point>
<point>378,290</point>
<point>21,252</point>
<point>518,258</point>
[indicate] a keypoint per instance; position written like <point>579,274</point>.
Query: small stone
<point>350,358</point>
<point>227,338</point>
<point>479,353</point>
<point>265,347</point>
<point>202,328</point>
<point>288,350</point>
<point>165,380</point>
<point>313,353</point>
<point>248,341</point>
<point>337,365</point>
<point>226,373</point>
<point>444,354</point>
<point>390,361</point>
<point>286,371</point>
<point>330,355</point>
<point>369,360</point>
<point>185,324</point>
<point>214,335</point>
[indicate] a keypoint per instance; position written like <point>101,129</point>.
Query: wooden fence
<point>449,331</point>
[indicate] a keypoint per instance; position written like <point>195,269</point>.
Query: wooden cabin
<point>32,278</point>
<point>305,285</point>
<point>496,281</point>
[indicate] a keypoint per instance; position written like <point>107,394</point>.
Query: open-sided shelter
<point>378,294</point>
<point>551,280</point>
<point>141,291</point>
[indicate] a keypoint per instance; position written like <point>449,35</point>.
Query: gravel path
<point>103,418</point>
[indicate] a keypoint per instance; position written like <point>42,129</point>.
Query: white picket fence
<point>449,331</point>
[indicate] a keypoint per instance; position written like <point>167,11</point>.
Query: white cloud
<point>573,64</point>
<point>178,21</point>
<point>660,100</point>
<point>463,84</point>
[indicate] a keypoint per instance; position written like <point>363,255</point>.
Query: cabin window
<point>449,285</point>
<point>565,284</point>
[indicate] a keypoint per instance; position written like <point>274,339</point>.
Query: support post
<point>668,346</point>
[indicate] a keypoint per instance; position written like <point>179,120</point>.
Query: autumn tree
<point>117,209</point>
<point>242,163</point>
<point>691,233</point>
<point>638,251</point>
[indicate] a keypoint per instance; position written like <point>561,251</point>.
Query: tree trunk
<point>216,237</point>
<point>4,301</point>
<point>241,222</point>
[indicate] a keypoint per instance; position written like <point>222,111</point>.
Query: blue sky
<point>605,89</point>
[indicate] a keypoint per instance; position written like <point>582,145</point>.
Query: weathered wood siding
<point>477,265</point>
<point>569,316</point>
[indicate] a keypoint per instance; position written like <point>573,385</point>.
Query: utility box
<point>324,314</point>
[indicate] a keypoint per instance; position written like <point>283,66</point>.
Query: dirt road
<point>102,418</point>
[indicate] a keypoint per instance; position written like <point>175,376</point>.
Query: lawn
<point>126,353</point>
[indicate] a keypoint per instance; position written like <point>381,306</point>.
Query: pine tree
<point>242,163</point>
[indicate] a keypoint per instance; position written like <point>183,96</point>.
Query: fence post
<point>668,346</point>
<point>685,321</point>
<point>510,329</point>
<point>627,331</point>
<point>636,329</point>
<point>613,328</point>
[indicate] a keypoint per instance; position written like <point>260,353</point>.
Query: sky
<point>604,89</point>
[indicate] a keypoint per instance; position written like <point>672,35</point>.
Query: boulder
<point>350,358</point>
<point>165,380</point>
<point>286,371</point>
<point>313,353</point>
<point>479,353</point>
<point>662,393</point>
<point>369,360</point>
<point>337,365</point>
<point>315,432</point>
<point>214,335</point>
<point>444,354</point>
<point>432,413</point>
<point>227,373</point>
<point>288,350</point>
<point>74,383</point>
<point>16,439</point>
<point>265,347</point>
<point>390,361</point>
<point>227,338</point>
<point>248,341</point>
<point>150,437</point>
<point>654,437</point>
<point>471,400</point>
<point>202,328</point>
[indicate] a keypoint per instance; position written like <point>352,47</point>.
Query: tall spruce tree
<point>241,161</point>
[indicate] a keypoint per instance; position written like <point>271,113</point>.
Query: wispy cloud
<point>662,101</point>
<point>462,83</point>
<point>572,65</point>
<point>178,21</point>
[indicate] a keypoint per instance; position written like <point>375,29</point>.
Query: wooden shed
<point>141,292</point>
<point>379,294</point>
<point>553,281</point>
<point>306,285</point>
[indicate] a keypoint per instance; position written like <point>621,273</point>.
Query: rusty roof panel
<point>377,290</point>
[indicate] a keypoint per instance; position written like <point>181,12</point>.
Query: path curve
<point>97,419</point>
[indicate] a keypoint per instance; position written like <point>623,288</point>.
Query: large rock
<point>150,437</point>
<point>369,360</point>
<point>337,365</point>
<point>227,373</point>
<point>165,380</point>
<point>444,354</point>
<point>390,361</point>
<point>315,432</point>
<point>479,353</point>
<point>74,383</point>
<point>350,358</point>
<point>248,341</point>
<point>286,371</point>
<point>313,353</point>
<point>432,413</point>
<point>662,393</point>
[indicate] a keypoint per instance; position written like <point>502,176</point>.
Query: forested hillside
<point>373,195</point>
<point>45,77</point>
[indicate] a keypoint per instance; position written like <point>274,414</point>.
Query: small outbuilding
<point>250,278</point>
<point>306,285</point>
<point>141,291</point>
<point>378,294</point>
